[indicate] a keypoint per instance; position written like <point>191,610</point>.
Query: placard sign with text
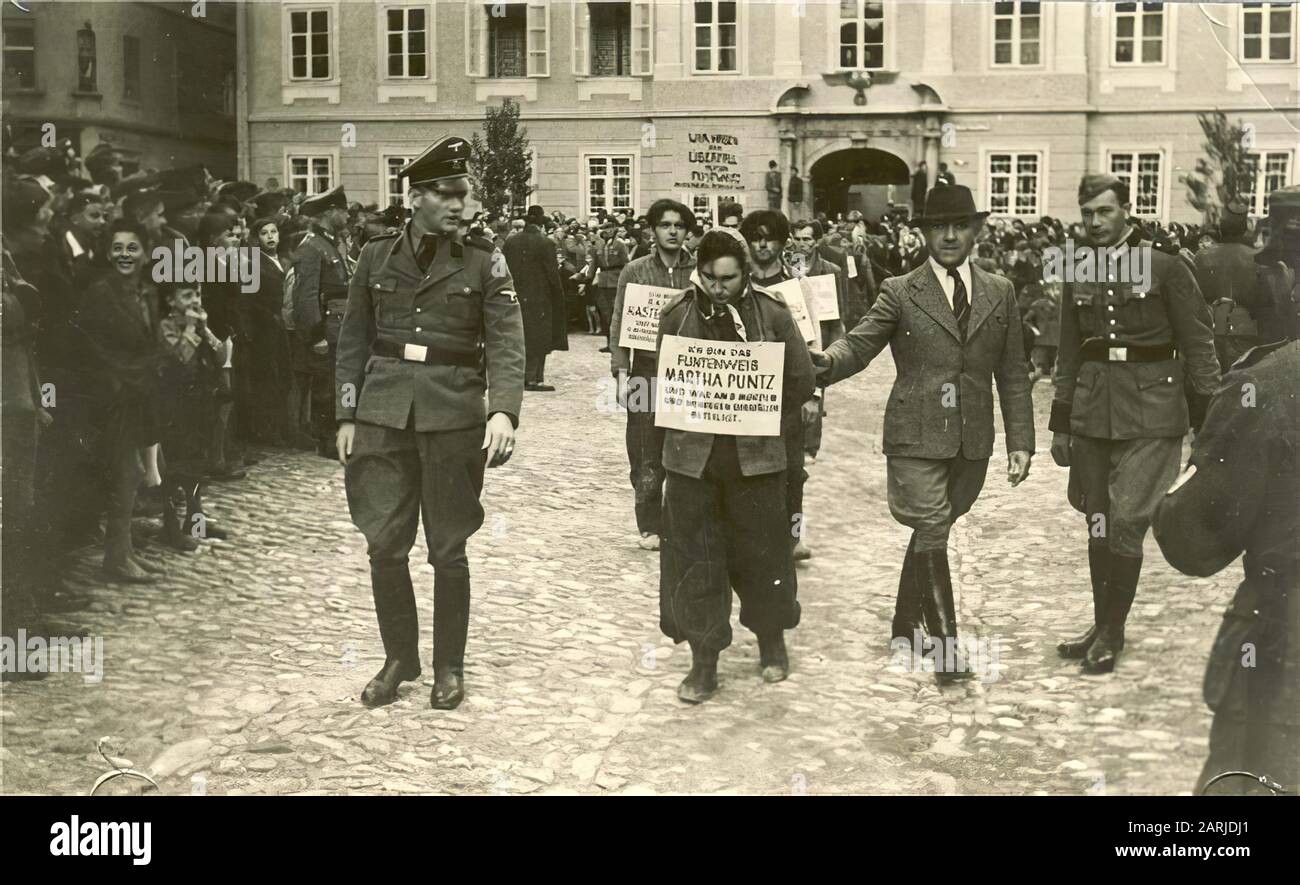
<point>641,306</point>
<point>820,291</point>
<point>792,292</point>
<point>729,387</point>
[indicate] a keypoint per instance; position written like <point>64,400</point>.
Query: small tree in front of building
<point>1221,175</point>
<point>500,160</point>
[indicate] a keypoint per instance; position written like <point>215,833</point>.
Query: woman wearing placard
<point>725,524</point>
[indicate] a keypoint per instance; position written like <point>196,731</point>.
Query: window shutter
<point>475,40</point>
<point>642,38</point>
<point>539,22</point>
<point>581,38</point>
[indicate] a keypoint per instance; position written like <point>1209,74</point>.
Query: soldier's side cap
<point>334,198</point>
<point>446,159</point>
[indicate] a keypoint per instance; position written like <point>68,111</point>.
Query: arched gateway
<point>857,178</point>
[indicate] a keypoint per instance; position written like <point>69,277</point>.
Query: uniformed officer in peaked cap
<point>430,378</point>
<point>319,299</point>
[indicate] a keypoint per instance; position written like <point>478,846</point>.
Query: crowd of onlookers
<point>126,397</point>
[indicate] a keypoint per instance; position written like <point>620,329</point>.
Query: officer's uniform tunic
<point>419,425</point>
<point>1119,380</point>
<point>320,298</point>
<point>1241,491</point>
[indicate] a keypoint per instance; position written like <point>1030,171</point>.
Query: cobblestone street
<point>241,672</point>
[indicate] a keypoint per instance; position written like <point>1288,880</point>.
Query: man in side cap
<point>320,294</point>
<point>432,325</point>
<point>609,257</point>
<point>1120,411</point>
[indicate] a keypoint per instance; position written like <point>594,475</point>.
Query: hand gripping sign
<point>727,387</point>
<point>640,321</point>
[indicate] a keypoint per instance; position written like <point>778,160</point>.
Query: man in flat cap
<point>429,380</point>
<point>1128,341</point>
<point>320,296</point>
<point>953,328</point>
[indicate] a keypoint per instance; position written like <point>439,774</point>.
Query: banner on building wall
<point>710,161</point>
<point>730,387</point>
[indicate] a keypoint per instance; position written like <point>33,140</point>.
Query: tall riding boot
<point>907,608</point>
<point>1124,572</point>
<point>934,585</point>
<point>450,632</point>
<point>1099,569</point>
<point>700,684</point>
<point>398,630</point>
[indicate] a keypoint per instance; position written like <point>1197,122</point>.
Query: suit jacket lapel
<point>982,303</point>
<point>928,295</point>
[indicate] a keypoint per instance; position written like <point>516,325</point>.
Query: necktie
<point>427,252</point>
<point>960,303</point>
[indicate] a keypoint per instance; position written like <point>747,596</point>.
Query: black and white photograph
<point>748,398</point>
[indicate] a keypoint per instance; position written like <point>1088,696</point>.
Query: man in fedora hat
<point>952,328</point>
<point>1122,407</point>
<point>429,383</point>
<point>1280,267</point>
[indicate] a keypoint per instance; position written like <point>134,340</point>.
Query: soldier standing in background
<point>1240,491</point>
<point>608,258</point>
<point>1226,273</point>
<point>430,318</point>
<point>1120,413</point>
<point>319,299</point>
<point>772,184</point>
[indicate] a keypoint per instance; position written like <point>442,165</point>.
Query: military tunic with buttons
<point>1123,358</point>
<point>1241,492</point>
<point>319,299</point>
<point>424,357</point>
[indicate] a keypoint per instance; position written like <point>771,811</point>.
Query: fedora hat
<point>948,202</point>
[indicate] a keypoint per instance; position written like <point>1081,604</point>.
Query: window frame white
<point>1138,15</point>
<point>430,41</point>
<point>1266,34</point>
<point>741,24</point>
<point>713,202</point>
<point>310,152</point>
<point>28,24</point>
<point>1163,185</point>
<point>638,37</point>
<point>1260,192</point>
<point>833,23</point>
<point>293,89</point>
<point>387,153</point>
<point>331,32</point>
<point>610,153</point>
<point>1042,180</point>
<point>477,20</point>
<point>1016,17</point>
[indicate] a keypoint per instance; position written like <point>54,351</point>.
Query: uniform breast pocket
<point>384,296</point>
<point>464,306</point>
<point>1143,310</point>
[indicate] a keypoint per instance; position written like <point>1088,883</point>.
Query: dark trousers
<point>605,307</point>
<point>795,475</point>
<point>929,494</point>
<point>534,367</point>
<point>1117,483</point>
<point>323,425</point>
<point>724,531</point>
<point>645,451</point>
<point>18,436</point>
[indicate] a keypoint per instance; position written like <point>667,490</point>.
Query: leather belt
<point>424,353</point>
<point>1099,352</point>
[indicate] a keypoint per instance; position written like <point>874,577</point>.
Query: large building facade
<point>156,80</point>
<point>626,101</point>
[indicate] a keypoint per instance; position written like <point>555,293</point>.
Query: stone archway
<point>856,178</point>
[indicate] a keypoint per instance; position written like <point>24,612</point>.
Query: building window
<point>311,174</point>
<point>1141,172</point>
<point>309,44</point>
<point>716,37</point>
<point>1013,183</point>
<point>1268,171</point>
<point>407,42</point>
<point>1017,29</point>
<point>706,206</point>
<point>131,68</point>
<point>87,63</point>
<point>862,35</point>
<point>394,192</point>
<point>609,183</point>
<point>612,38</point>
<point>1139,33</point>
<point>1268,32</point>
<point>20,54</point>
<point>507,40</point>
